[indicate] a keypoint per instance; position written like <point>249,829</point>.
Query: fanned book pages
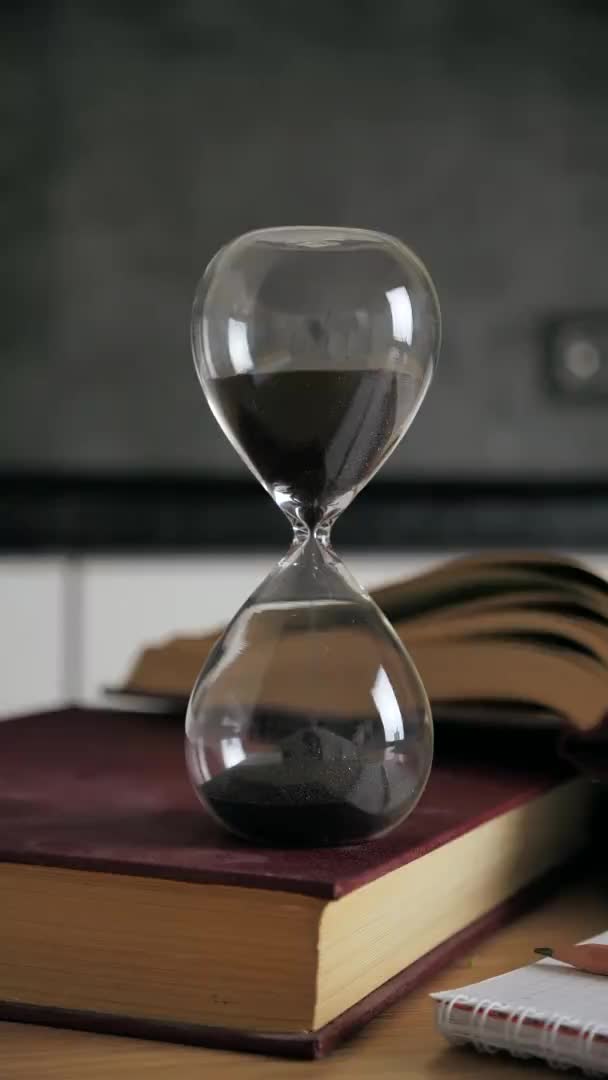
<point>547,1010</point>
<point>510,639</point>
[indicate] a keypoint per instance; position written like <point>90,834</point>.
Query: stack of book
<point>125,908</point>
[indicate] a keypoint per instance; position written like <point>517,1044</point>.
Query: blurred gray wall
<point>139,137</point>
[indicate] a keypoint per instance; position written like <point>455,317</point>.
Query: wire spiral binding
<point>479,1019</point>
<point>474,1031</point>
<point>548,1039</point>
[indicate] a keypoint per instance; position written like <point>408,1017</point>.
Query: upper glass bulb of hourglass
<point>315,347</point>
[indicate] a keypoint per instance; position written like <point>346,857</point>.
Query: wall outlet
<point>578,358</point>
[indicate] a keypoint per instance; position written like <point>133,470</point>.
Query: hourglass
<point>309,724</point>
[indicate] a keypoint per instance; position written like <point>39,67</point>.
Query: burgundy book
<point>127,909</point>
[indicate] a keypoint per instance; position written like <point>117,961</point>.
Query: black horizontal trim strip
<point>156,513</point>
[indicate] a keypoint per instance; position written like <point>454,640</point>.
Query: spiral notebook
<point>547,1010</point>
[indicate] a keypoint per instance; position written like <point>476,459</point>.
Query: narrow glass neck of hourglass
<point>309,572</point>
<point>311,519</point>
<point>312,571</point>
<point>319,534</point>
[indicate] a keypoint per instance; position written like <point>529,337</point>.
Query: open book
<point>509,638</point>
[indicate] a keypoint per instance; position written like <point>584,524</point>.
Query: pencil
<point>591,958</point>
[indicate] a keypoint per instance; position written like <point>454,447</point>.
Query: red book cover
<point>108,791</point>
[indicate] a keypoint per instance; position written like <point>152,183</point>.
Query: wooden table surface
<point>401,1043</point>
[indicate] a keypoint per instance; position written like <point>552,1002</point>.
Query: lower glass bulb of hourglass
<point>309,723</point>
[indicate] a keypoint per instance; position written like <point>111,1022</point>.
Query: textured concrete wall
<point>138,138</point>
